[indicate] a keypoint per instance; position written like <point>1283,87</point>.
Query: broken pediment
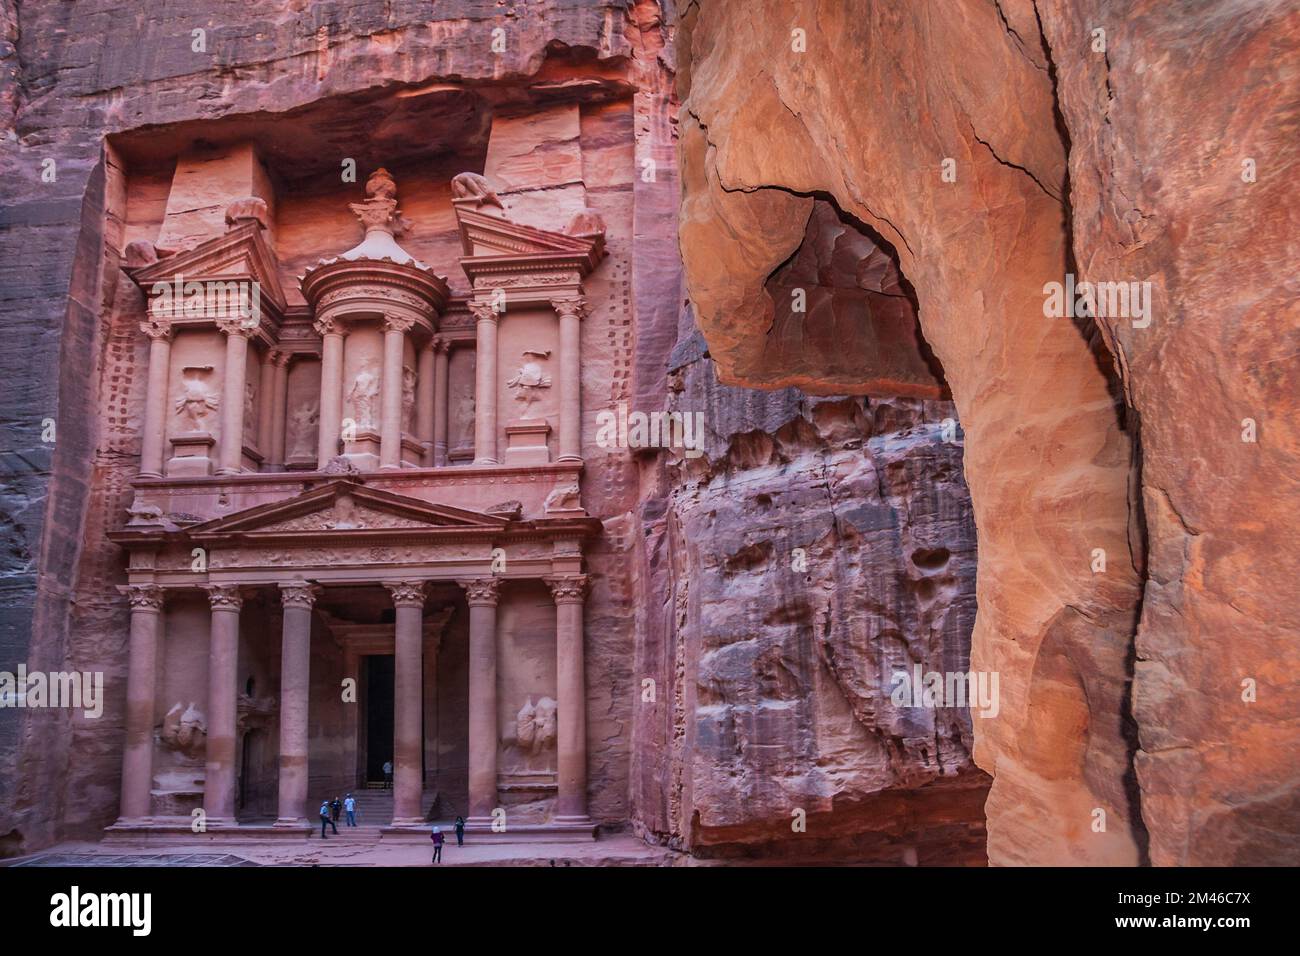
<point>240,255</point>
<point>493,244</point>
<point>344,506</point>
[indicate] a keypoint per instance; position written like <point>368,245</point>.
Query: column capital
<point>481,590</point>
<point>570,305</point>
<point>280,358</point>
<point>484,312</point>
<point>329,326</point>
<point>156,328</point>
<point>237,325</point>
<point>143,597</point>
<point>224,597</point>
<point>568,588</point>
<point>298,594</point>
<point>406,593</point>
<point>394,322</point>
<point>440,343</point>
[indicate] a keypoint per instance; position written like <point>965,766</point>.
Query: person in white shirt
<point>388,775</point>
<point>350,808</point>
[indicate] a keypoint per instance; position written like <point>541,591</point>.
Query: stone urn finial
<point>379,212</point>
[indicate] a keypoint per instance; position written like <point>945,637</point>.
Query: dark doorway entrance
<point>379,714</point>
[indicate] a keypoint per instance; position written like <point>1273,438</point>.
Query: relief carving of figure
<point>302,425</point>
<point>408,396</point>
<point>564,498</point>
<point>529,381</point>
<point>364,397</point>
<point>535,726</point>
<point>250,412</point>
<point>184,729</point>
<point>465,417</point>
<point>197,398</point>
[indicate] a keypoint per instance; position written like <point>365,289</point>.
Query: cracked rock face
<point>1125,528</point>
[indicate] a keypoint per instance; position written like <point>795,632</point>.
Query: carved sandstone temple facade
<point>357,534</point>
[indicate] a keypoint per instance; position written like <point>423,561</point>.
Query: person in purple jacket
<point>438,840</point>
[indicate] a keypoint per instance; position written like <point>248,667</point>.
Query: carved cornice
<point>482,591</point>
<point>224,597</point>
<point>298,594</point>
<point>144,597</point>
<point>156,328</point>
<point>568,588</point>
<point>406,593</point>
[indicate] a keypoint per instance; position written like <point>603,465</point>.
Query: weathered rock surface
<point>815,549</point>
<point>1121,165</point>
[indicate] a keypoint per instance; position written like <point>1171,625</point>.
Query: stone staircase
<point>374,812</point>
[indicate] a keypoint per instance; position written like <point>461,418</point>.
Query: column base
<point>294,823</point>
<point>485,461</point>
<point>406,823</point>
<point>572,820</point>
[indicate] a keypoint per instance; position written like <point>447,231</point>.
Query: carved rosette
<point>406,593</point>
<point>156,328</point>
<point>568,588</point>
<point>298,594</point>
<point>224,597</point>
<point>483,312</point>
<point>144,597</point>
<point>570,306</point>
<point>481,590</point>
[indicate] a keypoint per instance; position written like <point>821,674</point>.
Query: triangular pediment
<point>242,253</point>
<point>483,236</point>
<point>344,506</point>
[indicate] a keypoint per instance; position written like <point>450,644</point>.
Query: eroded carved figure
<point>364,397</point>
<point>535,725</point>
<point>302,428</point>
<point>564,498</point>
<point>408,396</point>
<point>184,730</point>
<point>197,399</point>
<point>474,186</point>
<point>529,381</point>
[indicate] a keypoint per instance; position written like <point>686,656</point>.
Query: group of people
<point>329,813</point>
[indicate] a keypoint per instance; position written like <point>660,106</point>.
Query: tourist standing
<point>388,775</point>
<point>325,818</point>
<point>336,806</point>
<point>350,808</point>
<point>438,839</point>
<point>460,831</point>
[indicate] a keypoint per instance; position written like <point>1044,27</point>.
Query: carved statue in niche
<point>465,418</point>
<point>250,413</point>
<point>302,425</point>
<point>197,398</point>
<point>408,396</point>
<point>529,381</point>
<point>184,730</point>
<point>535,726</point>
<point>476,187</point>
<point>364,396</point>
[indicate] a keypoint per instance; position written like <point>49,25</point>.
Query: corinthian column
<point>570,311</point>
<point>390,432</point>
<point>424,404</point>
<point>237,331</point>
<point>223,664</point>
<point>571,685</point>
<point>330,413</point>
<point>155,397</point>
<point>142,669</point>
<point>481,594</point>
<point>442,349</point>
<point>408,699</point>
<point>297,598</point>
<point>485,384</point>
